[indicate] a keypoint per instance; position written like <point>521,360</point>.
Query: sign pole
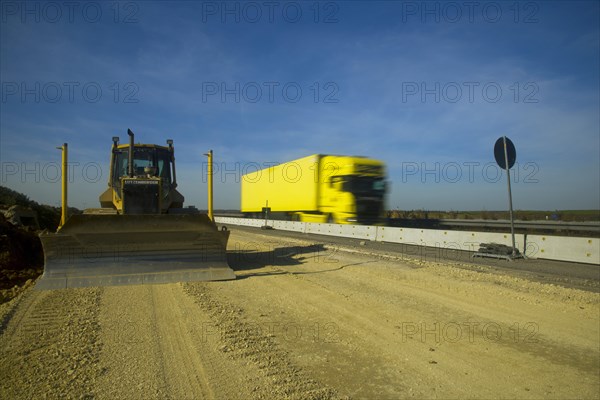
<point>266,210</point>
<point>267,213</point>
<point>505,155</point>
<point>510,205</point>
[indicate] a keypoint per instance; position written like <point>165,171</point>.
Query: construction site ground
<point>307,319</point>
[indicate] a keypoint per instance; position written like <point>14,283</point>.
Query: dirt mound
<point>48,217</point>
<point>21,258</point>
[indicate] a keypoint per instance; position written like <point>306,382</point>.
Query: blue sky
<point>427,87</point>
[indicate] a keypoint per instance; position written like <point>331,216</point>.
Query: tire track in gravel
<point>194,368</point>
<point>142,342</point>
<point>50,346</point>
<point>130,359</point>
<point>162,341</point>
<point>263,366</point>
<point>154,348</point>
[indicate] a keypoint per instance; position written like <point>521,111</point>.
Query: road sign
<point>511,152</point>
<point>506,155</point>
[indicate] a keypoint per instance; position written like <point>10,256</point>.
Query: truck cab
<point>352,190</point>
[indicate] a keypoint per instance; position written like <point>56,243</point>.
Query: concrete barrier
<point>565,248</point>
<point>362,232</point>
<point>458,240</point>
<point>562,248</point>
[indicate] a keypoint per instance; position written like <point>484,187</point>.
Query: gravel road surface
<point>305,320</point>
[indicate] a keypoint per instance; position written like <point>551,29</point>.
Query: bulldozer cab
<point>142,179</point>
<point>148,161</point>
<point>148,189</point>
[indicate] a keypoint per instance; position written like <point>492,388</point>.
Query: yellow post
<point>64,213</point>
<point>210,184</point>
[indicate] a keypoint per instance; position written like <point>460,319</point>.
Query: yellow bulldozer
<point>141,234</point>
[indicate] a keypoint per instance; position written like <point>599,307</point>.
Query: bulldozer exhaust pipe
<point>170,143</point>
<point>130,161</point>
<point>63,200</point>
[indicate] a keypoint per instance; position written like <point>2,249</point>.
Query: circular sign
<point>510,152</point>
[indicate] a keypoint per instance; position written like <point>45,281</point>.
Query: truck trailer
<point>317,188</point>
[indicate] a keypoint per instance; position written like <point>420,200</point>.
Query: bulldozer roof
<point>152,146</point>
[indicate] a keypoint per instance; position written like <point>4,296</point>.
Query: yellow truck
<point>317,188</point>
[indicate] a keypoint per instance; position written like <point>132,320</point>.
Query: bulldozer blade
<point>109,250</point>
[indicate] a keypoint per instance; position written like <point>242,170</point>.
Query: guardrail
<point>545,226</point>
<point>539,225</point>
<point>562,248</point>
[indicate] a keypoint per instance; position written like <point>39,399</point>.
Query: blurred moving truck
<point>318,188</point>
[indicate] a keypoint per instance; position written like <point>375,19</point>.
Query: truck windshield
<point>364,185</point>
